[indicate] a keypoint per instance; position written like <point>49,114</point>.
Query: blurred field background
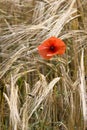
<point>39,94</point>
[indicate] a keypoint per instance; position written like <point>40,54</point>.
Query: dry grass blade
<point>12,101</point>
<point>46,91</point>
<point>83,89</point>
<point>40,92</point>
<point>7,64</point>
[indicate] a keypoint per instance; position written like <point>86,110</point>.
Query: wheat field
<point>39,94</point>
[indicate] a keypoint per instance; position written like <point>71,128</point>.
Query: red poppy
<point>51,47</point>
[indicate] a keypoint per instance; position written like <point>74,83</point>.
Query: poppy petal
<point>51,47</point>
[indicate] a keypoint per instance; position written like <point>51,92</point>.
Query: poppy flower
<point>51,47</point>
